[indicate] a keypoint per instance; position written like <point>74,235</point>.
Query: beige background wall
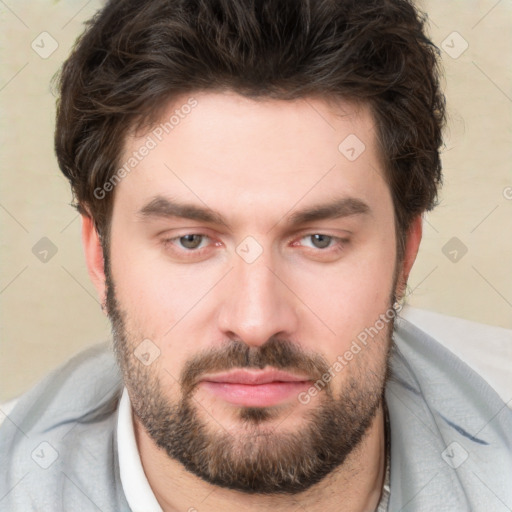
<point>49,308</point>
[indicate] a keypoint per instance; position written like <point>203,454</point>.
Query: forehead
<point>239,155</point>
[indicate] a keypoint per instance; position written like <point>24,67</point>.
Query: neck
<point>355,486</point>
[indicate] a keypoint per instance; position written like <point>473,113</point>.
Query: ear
<point>94,257</point>
<point>412,244</point>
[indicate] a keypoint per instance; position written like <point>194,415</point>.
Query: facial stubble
<point>256,458</point>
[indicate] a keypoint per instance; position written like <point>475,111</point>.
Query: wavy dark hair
<point>135,56</point>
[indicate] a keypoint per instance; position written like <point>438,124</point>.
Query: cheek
<point>154,293</point>
<point>347,298</point>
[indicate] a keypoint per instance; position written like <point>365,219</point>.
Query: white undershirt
<point>139,495</point>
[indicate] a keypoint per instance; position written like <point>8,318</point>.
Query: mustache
<point>276,352</point>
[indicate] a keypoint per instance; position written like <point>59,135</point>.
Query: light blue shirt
<point>451,436</point>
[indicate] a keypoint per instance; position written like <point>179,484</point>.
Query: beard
<point>256,457</point>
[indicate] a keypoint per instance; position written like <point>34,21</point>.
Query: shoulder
<point>486,349</point>
<point>72,390</point>
<point>451,366</point>
<point>450,429</point>
<point>57,445</point>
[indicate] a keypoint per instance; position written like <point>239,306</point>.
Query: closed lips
<point>255,377</point>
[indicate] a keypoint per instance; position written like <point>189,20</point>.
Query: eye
<point>320,241</point>
<point>322,247</point>
<point>190,247</point>
<point>192,241</point>
<point>187,243</point>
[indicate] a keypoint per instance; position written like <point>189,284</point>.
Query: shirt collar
<point>386,489</point>
<point>138,492</point>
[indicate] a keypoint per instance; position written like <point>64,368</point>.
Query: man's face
<point>253,284</point>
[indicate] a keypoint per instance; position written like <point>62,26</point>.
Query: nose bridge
<point>256,304</point>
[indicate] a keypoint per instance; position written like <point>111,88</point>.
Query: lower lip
<point>256,395</point>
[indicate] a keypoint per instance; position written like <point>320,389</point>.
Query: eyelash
<point>340,244</point>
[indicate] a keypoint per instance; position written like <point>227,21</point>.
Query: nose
<point>256,303</point>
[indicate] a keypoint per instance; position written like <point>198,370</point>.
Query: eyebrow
<point>163,207</point>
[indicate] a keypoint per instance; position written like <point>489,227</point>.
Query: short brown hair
<point>135,56</point>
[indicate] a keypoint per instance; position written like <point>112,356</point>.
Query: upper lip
<point>254,377</point>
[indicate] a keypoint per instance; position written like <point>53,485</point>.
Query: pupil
<point>191,241</point>
<point>321,241</point>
